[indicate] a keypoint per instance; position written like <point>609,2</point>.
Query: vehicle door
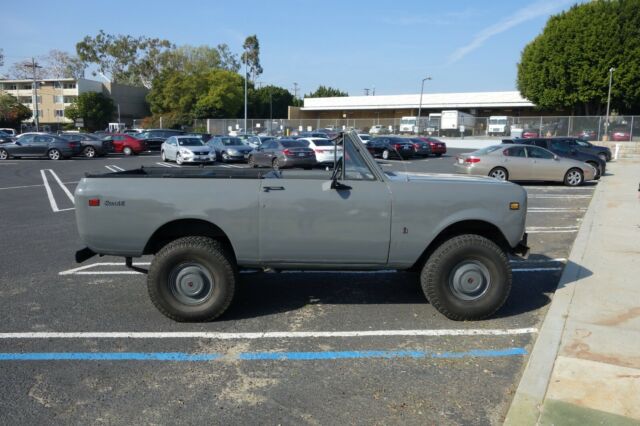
<point>40,145</point>
<point>303,220</point>
<point>517,163</point>
<point>270,152</point>
<point>170,149</point>
<point>23,145</point>
<point>118,142</point>
<point>259,154</point>
<point>543,164</point>
<point>562,149</point>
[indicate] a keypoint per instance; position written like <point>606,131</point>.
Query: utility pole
<point>295,90</point>
<point>420,104</point>
<point>36,111</point>
<point>270,113</point>
<point>611,70</point>
<point>246,75</point>
<point>118,115</point>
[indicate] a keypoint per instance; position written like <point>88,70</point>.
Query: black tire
<point>439,155</point>
<point>4,155</point>
<point>275,164</point>
<point>163,157</point>
<point>127,150</point>
<point>480,258</point>
<point>569,179</point>
<point>183,253</point>
<point>54,154</point>
<point>597,167</point>
<point>603,156</point>
<point>89,152</point>
<point>252,162</point>
<point>499,173</point>
<point>225,157</point>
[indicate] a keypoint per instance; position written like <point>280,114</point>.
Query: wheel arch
<point>186,228</point>
<point>478,227</point>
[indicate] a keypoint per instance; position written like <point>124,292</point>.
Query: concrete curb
<point>526,406</point>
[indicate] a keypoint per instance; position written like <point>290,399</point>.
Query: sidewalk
<point>585,366</point>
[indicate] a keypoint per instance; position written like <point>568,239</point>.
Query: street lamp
<point>611,70</point>
<point>420,104</point>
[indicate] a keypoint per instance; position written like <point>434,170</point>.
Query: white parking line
<point>554,260</point>
<point>165,164</point>
<point>32,186</point>
<point>551,229</point>
<point>558,196</point>
<point>117,168</point>
<point>535,269</point>
<point>111,169</point>
<point>77,270</point>
<point>52,201</point>
<point>555,209</point>
<point>232,165</point>
<point>267,334</point>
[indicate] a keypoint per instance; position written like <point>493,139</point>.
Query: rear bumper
<point>299,162</point>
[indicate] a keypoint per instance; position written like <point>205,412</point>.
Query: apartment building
<point>54,95</point>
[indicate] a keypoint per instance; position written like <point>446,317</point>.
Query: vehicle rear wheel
<point>127,150</point>
<point>597,167</point>
<point>574,177</point>
<point>89,152</point>
<point>499,173</point>
<point>54,154</point>
<point>467,277</point>
<point>3,154</point>
<point>385,154</point>
<point>192,279</point>
<point>252,162</point>
<point>275,164</point>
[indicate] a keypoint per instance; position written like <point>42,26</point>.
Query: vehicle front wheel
<point>54,154</point>
<point>89,152</point>
<point>179,159</point>
<point>252,162</point>
<point>499,173</point>
<point>192,279</point>
<point>597,167</point>
<point>574,177</point>
<point>225,157</point>
<point>603,156</point>
<point>4,154</point>
<point>385,154</point>
<point>127,150</point>
<point>467,277</point>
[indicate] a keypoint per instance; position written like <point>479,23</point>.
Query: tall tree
<point>190,59</point>
<point>251,56</point>
<point>23,70</point>
<point>95,108</point>
<point>326,92</point>
<point>12,112</point>
<point>567,66</point>
<point>124,58</point>
<point>59,64</point>
<point>270,99</point>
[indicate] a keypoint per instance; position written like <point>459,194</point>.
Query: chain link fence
<point>619,128</point>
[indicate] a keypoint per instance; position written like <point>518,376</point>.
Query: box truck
<point>454,122</point>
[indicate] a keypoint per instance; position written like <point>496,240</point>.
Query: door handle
<point>273,188</point>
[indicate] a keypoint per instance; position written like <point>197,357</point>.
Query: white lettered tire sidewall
<point>436,274</point>
<point>210,255</point>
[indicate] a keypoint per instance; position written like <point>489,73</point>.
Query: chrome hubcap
<point>89,152</point>
<point>3,155</point>
<point>54,155</point>
<point>499,174</point>
<point>574,177</point>
<point>469,280</point>
<point>191,283</point>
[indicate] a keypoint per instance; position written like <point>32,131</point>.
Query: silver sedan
<point>524,163</point>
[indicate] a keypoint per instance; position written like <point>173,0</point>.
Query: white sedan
<point>324,149</point>
<point>186,149</point>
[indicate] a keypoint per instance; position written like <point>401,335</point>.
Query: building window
<point>70,85</point>
<point>26,86</point>
<point>25,99</point>
<point>58,99</point>
<point>70,99</point>
<point>57,84</point>
<point>10,87</point>
<point>59,113</point>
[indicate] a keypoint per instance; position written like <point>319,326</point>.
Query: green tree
<point>12,112</point>
<point>567,66</point>
<point>251,56</point>
<point>124,58</point>
<point>95,108</point>
<point>326,92</point>
<point>260,101</point>
<point>192,59</point>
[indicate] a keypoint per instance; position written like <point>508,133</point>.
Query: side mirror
<point>17,143</point>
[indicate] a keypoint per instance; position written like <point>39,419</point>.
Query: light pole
<point>611,70</point>
<point>245,94</point>
<point>420,104</point>
<point>270,113</point>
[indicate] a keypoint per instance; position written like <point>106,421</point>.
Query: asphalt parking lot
<point>83,343</point>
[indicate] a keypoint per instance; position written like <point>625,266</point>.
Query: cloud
<point>535,10</point>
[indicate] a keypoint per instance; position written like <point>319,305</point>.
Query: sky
<point>463,45</point>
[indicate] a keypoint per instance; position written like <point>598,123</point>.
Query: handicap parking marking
<point>114,168</point>
<point>52,200</point>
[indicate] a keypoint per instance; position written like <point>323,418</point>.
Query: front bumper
<point>199,159</point>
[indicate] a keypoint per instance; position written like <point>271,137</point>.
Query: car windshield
<point>295,144</point>
<point>498,121</point>
<point>190,142</point>
<point>232,142</point>
<point>487,150</point>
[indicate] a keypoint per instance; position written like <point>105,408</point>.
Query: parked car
<point>283,153</point>
<point>202,227</point>
<point>588,135</point>
<point>9,131</point>
<point>527,134</point>
<point>6,137</point>
<point>584,146</point>
<point>204,137</point>
<point>421,148</point>
<point>229,148</point>
<point>40,145</point>
<point>256,141</point>
<point>620,134</point>
<point>312,135</point>
<point>436,145</point>
<point>324,149</point>
<point>364,137</point>
<point>155,137</point>
<point>91,145</point>
<point>564,150</point>
<point>186,149</point>
<point>524,163</point>
<point>391,147</point>
<point>126,144</point>
<point>378,129</point>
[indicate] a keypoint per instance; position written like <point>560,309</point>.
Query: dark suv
<point>156,137</point>
<point>586,147</point>
<point>568,148</point>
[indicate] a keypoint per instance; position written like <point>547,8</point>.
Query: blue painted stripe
<point>255,356</point>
